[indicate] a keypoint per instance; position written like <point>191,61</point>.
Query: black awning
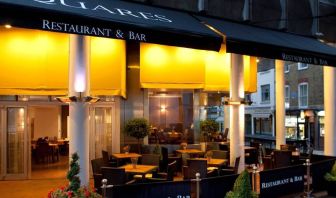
<point>257,41</point>
<point>111,18</point>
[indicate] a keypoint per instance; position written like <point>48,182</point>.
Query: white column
<point>237,112</point>
<point>280,110</point>
<point>329,74</point>
<point>79,61</point>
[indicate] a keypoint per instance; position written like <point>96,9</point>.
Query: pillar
<point>329,81</point>
<point>79,60</point>
<point>237,112</point>
<point>280,111</point>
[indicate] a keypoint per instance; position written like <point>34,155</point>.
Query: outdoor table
<point>139,169</point>
<point>189,151</point>
<point>214,162</point>
<point>119,156</point>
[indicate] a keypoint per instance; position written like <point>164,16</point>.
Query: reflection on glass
<point>171,117</point>
<point>15,140</point>
<point>103,130</point>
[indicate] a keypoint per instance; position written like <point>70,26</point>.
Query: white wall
<point>45,121</point>
<point>264,78</point>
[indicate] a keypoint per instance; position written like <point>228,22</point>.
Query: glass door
<point>101,130</point>
<point>15,139</point>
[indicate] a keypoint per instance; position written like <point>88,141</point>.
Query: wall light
<point>163,108</point>
<point>8,26</point>
<point>68,99</point>
<point>302,114</point>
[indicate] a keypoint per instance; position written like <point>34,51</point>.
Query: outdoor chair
<point>218,154</point>
<point>164,159</point>
<point>225,135</point>
<point>164,176</point>
<point>150,159</point>
<point>231,170</point>
<point>97,164</point>
<point>282,158</point>
<point>196,166</point>
<point>107,161</point>
<point>251,156</point>
<point>115,176</point>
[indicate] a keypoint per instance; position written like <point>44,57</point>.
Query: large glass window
<point>291,127</point>
<point>265,93</point>
<point>171,117</point>
<point>263,126</point>
<point>303,94</point>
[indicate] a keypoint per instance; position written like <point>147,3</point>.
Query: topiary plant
<point>138,128</point>
<point>242,187</point>
<point>332,175</point>
<point>72,176</point>
<point>208,127</point>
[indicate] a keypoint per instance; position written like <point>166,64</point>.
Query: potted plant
<point>138,128</point>
<point>208,128</point>
<point>331,178</point>
<point>73,189</point>
<point>242,187</point>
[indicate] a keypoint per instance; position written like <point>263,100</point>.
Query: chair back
<point>171,169</point>
<point>251,156</point>
<point>96,165</point>
<point>236,165</point>
<point>225,135</point>
<point>150,159</point>
<point>197,166</point>
<point>114,176</point>
<point>282,158</point>
<point>164,159</point>
<point>218,154</point>
<point>194,146</point>
<point>106,157</point>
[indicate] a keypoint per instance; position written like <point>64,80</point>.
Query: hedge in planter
<point>331,178</point>
<point>242,187</point>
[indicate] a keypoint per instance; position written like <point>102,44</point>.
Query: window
<point>287,96</point>
<point>265,93</point>
<point>331,2</point>
<point>302,66</point>
<point>303,94</point>
<point>287,68</point>
<point>263,126</point>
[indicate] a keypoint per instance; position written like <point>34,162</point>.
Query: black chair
<point>218,154</point>
<point>251,156</point>
<point>197,166</point>
<point>97,164</point>
<point>150,159</point>
<point>282,158</point>
<point>164,160</point>
<point>107,161</point>
<point>115,176</point>
<point>167,176</point>
<point>225,135</point>
<point>231,170</point>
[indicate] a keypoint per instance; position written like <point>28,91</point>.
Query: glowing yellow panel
<point>171,67</point>
<point>217,72</point>
<point>108,67</point>
<point>33,62</point>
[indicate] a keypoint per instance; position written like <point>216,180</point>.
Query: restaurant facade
<point>139,61</point>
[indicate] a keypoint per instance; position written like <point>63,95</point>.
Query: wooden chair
<point>150,159</point>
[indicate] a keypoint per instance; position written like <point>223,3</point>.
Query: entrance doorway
<point>49,144</point>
